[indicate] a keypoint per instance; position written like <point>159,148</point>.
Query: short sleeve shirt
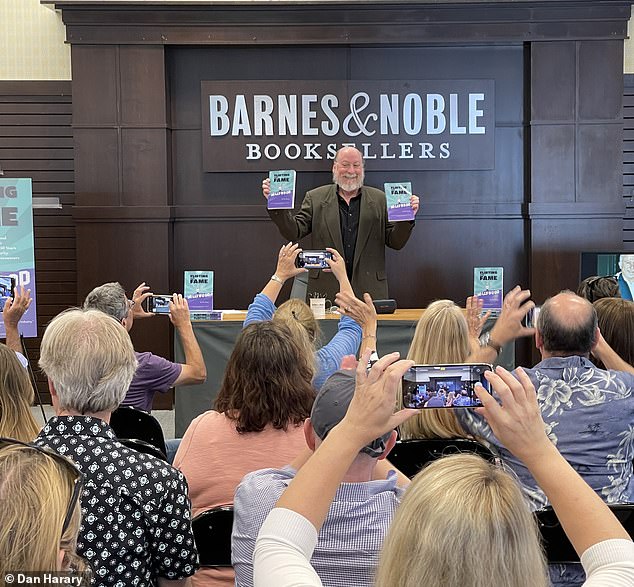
<point>154,374</point>
<point>136,515</point>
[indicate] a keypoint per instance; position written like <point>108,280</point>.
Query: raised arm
<point>284,270</point>
<point>507,327</point>
<point>194,369</point>
<point>338,267</point>
<point>364,313</point>
<point>608,356</point>
<point>475,320</point>
<point>518,424</point>
<point>14,309</point>
<point>291,227</point>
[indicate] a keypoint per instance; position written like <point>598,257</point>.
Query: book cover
<point>282,196</point>
<point>488,285</point>
<point>398,206</point>
<point>199,290</point>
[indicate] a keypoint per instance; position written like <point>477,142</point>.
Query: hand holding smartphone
<point>158,303</point>
<point>313,259</point>
<point>7,289</point>
<point>444,386</point>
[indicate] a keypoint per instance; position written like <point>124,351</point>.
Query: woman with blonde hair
<point>40,513</point>
<point>446,334</point>
<point>349,333</point>
<point>441,336</point>
<point>454,506</point>
<point>16,398</point>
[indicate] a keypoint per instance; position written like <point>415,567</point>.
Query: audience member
<point>136,526</point>
<point>352,535</point>
<point>598,287</point>
<point>16,398</point>
<point>345,342</point>
<point>453,507</point>
<point>615,318</point>
<point>589,412</point>
<point>40,515</point>
<point>445,335</point>
<point>265,396</point>
<point>154,374</point>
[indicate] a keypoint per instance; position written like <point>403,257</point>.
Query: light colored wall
<point>628,50</point>
<point>32,42</point>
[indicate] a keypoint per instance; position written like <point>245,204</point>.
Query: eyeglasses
<point>131,304</point>
<point>68,465</point>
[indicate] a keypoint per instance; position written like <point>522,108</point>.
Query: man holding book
<point>351,218</point>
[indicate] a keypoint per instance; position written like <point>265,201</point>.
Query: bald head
<point>567,325</point>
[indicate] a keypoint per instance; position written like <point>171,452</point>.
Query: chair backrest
<point>410,456</point>
<point>212,533</point>
<point>129,422</point>
<point>143,446</point>
<point>556,544</point>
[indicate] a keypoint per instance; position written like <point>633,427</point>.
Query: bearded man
<point>351,218</point>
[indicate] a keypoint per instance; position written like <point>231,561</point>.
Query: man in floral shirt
<point>589,412</point>
<point>136,526</point>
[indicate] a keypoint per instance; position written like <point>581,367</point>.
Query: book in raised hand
<point>398,201</point>
<point>282,190</point>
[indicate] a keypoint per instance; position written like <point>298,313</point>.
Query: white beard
<point>349,184</point>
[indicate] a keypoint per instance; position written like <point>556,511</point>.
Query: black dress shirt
<point>136,515</point>
<point>349,223</point>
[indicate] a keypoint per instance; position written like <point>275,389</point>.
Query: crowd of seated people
<point>298,441</point>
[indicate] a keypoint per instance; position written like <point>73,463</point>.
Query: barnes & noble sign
<point>397,125</point>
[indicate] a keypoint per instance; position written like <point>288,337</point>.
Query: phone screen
<point>159,304</point>
<point>313,259</point>
<point>530,320</point>
<point>7,285</point>
<point>443,386</point>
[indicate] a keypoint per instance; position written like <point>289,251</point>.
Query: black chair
<point>143,446</point>
<point>410,456</point>
<point>129,422</point>
<point>556,544</point>
<point>212,533</point>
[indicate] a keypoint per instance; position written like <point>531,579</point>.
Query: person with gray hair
<point>129,499</point>
<point>363,508</point>
<point>588,412</point>
<point>154,374</point>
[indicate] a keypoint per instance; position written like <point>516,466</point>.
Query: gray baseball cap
<point>331,405</point>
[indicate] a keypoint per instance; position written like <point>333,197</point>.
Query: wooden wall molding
<point>346,22</point>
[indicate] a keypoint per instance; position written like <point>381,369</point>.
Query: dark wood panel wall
<point>628,161</point>
<point>146,211</point>
<point>36,141</point>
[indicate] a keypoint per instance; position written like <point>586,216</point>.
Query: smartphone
<point>158,303</point>
<point>444,386</point>
<point>313,259</point>
<point>7,289</point>
<point>530,320</point>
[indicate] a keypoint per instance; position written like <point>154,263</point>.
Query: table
<point>217,338</point>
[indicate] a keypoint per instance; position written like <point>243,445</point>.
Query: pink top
<point>214,458</point>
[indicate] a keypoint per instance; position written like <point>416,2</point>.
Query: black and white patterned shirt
<point>136,514</point>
